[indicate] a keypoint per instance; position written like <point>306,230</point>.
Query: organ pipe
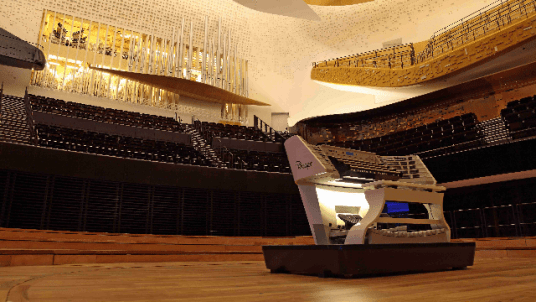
<point>190,51</point>
<point>217,76</point>
<point>99,91</point>
<point>171,58</point>
<point>94,60</point>
<point>203,68</point>
<point>120,63</point>
<point>224,65</point>
<point>109,89</point>
<point>219,64</point>
<point>73,82</point>
<point>181,54</point>
<point>212,62</point>
<point>85,60</point>
<point>228,59</point>
<point>59,48</point>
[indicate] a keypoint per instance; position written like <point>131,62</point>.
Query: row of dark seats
<point>254,160</point>
<point>120,146</point>
<point>522,101</point>
<point>520,117</point>
<point>100,114</point>
<point>440,134</point>
<point>210,130</point>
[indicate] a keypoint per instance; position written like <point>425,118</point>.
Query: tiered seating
<point>100,114</point>
<point>115,145</point>
<point>520,117</point>
<point>211,130</point>
<point>258,161</point>
<point>14,126</point>
<point>456,131</point>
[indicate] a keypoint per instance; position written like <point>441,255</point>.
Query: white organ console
<point>344,193</point>
<point>369,180</point>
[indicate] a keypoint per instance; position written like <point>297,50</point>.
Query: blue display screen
<point>396,207</point>
<point>349,153</point>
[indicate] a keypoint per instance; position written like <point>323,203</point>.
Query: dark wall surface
<point>499,159</point>
<point>61,190</point>
<point>73,164</point>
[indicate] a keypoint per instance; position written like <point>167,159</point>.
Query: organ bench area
<point>344,193</point>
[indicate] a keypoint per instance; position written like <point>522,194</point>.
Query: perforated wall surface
<point>279,49</point>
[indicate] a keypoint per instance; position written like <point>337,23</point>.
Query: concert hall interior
<point>173,150</point>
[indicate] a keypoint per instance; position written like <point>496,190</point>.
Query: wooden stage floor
<point>504,279</point>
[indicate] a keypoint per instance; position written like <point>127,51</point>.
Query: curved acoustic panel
<point>16,52</point>
<point>290,8</point>
<point>196,90</point>
<point>335,2</point>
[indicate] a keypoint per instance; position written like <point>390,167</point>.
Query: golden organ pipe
<point>92,78</point>
<point>217,75</point>
<point>181,51</point>
<point>80,36</point>
<point>190,51</point>
<point>203,68</point>
<point>109,87</point>
<point>47,68</point>
<point>67,55</point>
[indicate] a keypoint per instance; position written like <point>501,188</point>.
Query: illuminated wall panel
<point>139,36</point>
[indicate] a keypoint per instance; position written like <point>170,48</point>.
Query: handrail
<point>259,124</point>
<point>29,118</point>
<point>476,25</point>
<point>1,96</point>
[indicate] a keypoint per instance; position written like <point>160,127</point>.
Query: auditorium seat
<point>442,134</point>
<point>210,130</point>
<point>118,146</point>
<point>520,117</point>
<point>107,115</point>
<point>255,160</point>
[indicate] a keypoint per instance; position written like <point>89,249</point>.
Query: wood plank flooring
<point>488,280</point>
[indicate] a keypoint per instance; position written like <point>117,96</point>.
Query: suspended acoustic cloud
<point>290,8</point>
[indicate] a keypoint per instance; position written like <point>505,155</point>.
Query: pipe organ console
<point>344,193</point>
<point>358,174</point>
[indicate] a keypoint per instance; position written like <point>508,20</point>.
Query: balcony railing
<point>479,24</point>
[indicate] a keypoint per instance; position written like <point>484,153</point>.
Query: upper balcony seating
<point>520,117</point>
<point>211,130</point>
<point>441,134</point>
<point>258,161</point>
<point>100,114</point>
<point>120,146</point>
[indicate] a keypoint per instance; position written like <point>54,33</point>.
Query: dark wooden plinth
<point>341,260</point>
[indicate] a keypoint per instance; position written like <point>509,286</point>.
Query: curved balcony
<point>473,40</point>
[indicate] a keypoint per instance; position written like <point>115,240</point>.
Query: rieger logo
<point>302,165</point>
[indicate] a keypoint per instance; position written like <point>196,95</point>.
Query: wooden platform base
<point>350,260</point>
